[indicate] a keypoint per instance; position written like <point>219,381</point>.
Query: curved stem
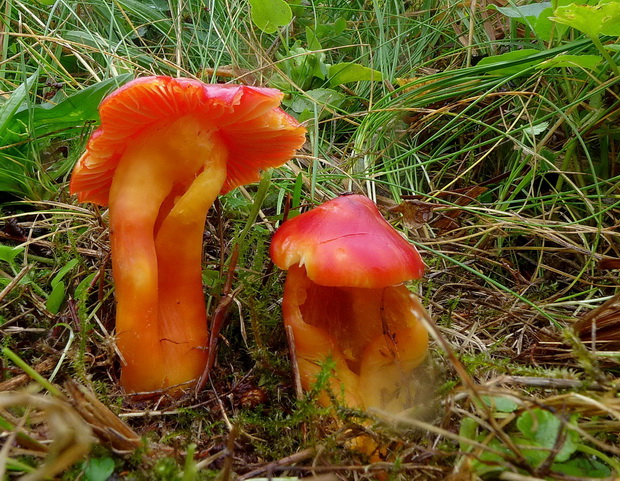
<point>157,187</point>
<point>178,243</point>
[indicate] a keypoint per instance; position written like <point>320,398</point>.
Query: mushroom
<point>346,305</point>
<point>165,149</point>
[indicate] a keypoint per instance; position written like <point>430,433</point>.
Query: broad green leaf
<point>467,430</point>
<point>536,16</point>
<point>347,72</point>
<point>508,58</point>
<point>99,469</point>
<point>312,40</point>
<point>536,129</point>
<point>73,111</point>
<point>543,25</point>
<point>583,61</point>
<point>54,300</point>
<point>268,15</point>
<point>489,461</point>
<point>8,254</point>
<point>322,97</point>
<point>14,102</point>
<point>63,272</point>
<point>582,468</point>
<point>500,404</point>
<point>522,11</point>
<point>533,452</point>
<point>543,428</point>
<point>593,20</point>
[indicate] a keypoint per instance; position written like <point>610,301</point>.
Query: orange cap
<point>256,132</point>
<point>346,242</point>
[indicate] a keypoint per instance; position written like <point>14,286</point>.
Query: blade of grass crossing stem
<point>259,198</point>
<point>34,375</point>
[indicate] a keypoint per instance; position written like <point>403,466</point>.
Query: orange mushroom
<point>165,149</point>
<point>345,302</point>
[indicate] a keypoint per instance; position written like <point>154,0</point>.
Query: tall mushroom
<point>346,304</point>
<point>165,149</point>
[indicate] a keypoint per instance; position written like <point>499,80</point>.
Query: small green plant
<point>98,469</point>
<point>540,443</point>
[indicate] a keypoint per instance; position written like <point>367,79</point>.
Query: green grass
<point>504,175</point>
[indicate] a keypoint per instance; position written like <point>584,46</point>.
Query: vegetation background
<point>486,131</point>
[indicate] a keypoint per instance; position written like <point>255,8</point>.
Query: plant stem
<point>597,43</point>
<point>34,375</point>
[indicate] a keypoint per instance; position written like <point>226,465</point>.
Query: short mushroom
<point>345,303</point>
<point>165,149</point>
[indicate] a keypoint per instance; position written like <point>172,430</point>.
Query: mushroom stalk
<point>159,199</point>
<point>371,337</point>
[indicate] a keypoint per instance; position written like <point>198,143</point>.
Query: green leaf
<point>467,430</point>
<point>347,72</point>
<point>593,20</point>
<point>14,102</point>
<point>522,11</point>
<point>99,469</point>
<point>268,15</point>
<point>543,25</point>
<point>322,97</point>
<point>582,468</point>
<point>536,16</point>
<point>81,291</point>
<point>536,129</point>
<point>296,197</point>
<point>511,59</point>
<point>73,111</point>
<point>8,254</point>
<point>583,61</point>
<point>489,461</point>
<point>312,40</point>
<point>56,297</point>
<point>500,404</point>
<point>63,271</point>
<point>543,428</point>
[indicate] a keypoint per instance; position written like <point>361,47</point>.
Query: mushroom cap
<point>346,242</point>
<point>257,133</point>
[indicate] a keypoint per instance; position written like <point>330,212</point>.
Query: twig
<point>290,337</point>
<point>9,287</point>
<point>230,454</point>
<point>219,317</point>
<point>267,468</point>
<point>548,383</point>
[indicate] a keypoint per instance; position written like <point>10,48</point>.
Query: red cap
<point>257,133</point>
<point>346,242</point>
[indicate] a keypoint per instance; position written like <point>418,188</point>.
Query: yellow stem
<point>156,188</point>
<point>182,310</point>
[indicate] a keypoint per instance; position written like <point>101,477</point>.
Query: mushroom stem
<point>372,337</point>
<point>159,199</point>
<point>182,310</point>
